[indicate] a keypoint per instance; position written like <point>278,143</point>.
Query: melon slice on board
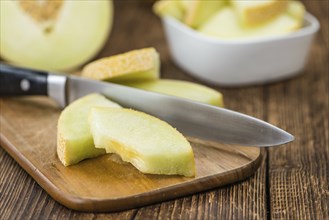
<point>142,64</point>
<point>53,35</point>
<point>74,140</point>
<point>150,144</point>
<point>181,89</point>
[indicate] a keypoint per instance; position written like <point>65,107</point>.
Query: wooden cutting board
<point>28,134</point>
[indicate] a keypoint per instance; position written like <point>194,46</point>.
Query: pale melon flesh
<point>74,140</point>
<point>182,89</point>
<point>53,35</point>
<point>151,145</point>
<point>171,8</point>
<point>233,19</point>
<point>251,12</point>
<point>297,10</point>
<point>199,11</point>
<point>142,64</point>
<point>226,25</point>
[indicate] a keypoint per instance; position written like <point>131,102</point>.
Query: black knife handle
<point>18,81</point>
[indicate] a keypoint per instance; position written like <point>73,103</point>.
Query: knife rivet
<point>25,84</point>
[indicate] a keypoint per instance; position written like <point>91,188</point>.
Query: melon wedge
<point>151,145</point>
<point>182,89</point>
<point>199,11</point>
<point>225,25</point>
<point>55,35</point>
<point>171,8</point>
<point>142,64</point>
<point>251,12</point>
<point>74,140</point>
<point>297,10</point>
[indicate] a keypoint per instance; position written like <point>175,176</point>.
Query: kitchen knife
<point>191,118</point>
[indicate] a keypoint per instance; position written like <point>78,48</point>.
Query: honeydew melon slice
<point>182,89</point>
<point>184,3</point>
<point>151,145</point>
<point>55,35</point>
<point>297,10</point>
<point>74,140</point>
<point>251,12</point>
<point>199,11</point>
<point>142,64</point>
<point>171,8</point>
<point>225,25</point>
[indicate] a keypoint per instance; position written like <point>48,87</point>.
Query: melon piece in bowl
<point>225,25</point>
<point>251,12</point>
<point>199,11</point>
<point>74,140</point>
<point>297,10</point>
<point>53,35</point>
<point>169,8</point>
<point>150,144</point>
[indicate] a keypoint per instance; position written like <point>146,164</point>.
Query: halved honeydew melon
<point>182,89</point>
<point>225,25</point>
<point>251,12</point>
<point>151,145</point>
<point>74,140</point>
<point>142,64</point>
<point>56,35</point>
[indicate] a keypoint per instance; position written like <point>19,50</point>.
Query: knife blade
<point>189,117</point>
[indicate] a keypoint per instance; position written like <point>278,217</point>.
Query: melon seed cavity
<point>42,10</point>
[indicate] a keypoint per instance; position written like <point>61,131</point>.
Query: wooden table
<point>292,182</point>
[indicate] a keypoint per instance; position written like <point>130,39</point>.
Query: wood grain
<point>299,173</point>
<point>292,181</point>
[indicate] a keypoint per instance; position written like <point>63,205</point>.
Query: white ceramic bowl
<point>239,62</point>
